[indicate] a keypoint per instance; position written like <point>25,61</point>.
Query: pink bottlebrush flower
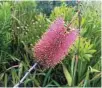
<point>54,44</point>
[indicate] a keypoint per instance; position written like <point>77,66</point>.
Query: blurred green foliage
<point>21,25</point>
<point>64,11</point>
<point>85,49</point>
<point>47,7</point>
<point>5,24</point>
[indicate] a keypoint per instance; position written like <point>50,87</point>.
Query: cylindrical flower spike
<point>54,44</point>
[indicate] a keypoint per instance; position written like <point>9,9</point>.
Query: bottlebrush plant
<point>54,44</point>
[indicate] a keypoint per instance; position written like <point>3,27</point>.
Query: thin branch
<point>33,67</point>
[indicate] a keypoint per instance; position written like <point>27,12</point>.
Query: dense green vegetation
<point>21,26</point>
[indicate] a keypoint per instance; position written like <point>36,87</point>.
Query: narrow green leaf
<point>56,83</point>
<point>67,75</point>
<point>1,76</point>
<point>26,81</point>
<point>86,78</point>
<point>20,70</point>
<point>14,76</point>
<point>48,20</point>
<point>46,77</point>
<point>93,70</point>
<point>72,65</point>
<point>5,80</point>
<point>91,51</point>
<point>36,83</point>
